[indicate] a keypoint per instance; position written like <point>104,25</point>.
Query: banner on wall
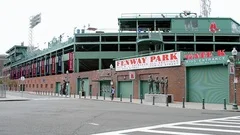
<point>53,64</point>
<point>34,69</point>
<point>47,66</point>
<point>38,67</point>
<point>70,61</point>
<point>153,61</point>
<point>59,64</point>
<point>42,67</point>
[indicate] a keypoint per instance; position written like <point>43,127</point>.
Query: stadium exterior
<point>199,46</point>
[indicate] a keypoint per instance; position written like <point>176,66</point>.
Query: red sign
<point>34,69</point>
<point>53,64</point>
<point>213,27</point>
<point>131,75</point>
<point>70,61</point>
<point>42,66</point>
<point>201,55</point>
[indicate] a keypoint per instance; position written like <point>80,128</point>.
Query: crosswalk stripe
<point>204,129</point>
<point>222,122</point>
<point>233,120</point>
<point>214,125</point>
<point>171,132</point>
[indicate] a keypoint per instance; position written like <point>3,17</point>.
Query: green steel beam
<point>144,55</point>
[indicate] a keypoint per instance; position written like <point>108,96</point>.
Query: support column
<point>77,65</point>
<point>62,62</point>
<point>100,64</point>
<point>155,25</point>
<point>214,47</point>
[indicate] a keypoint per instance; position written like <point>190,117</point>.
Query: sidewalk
<point>13,98</point>
<point>188,105</point>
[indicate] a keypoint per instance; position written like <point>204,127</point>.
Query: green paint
<point>209,83</point>
<point>206,61</point>
<point>125,88</point>
<point>105,87</point>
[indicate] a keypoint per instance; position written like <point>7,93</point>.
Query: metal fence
<point>2,91</point>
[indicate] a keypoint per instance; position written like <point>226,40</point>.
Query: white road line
<point>214,125</point>
<point>95,124</point>
<point>232,120</point>
<point>222,122</point>
<point>163,125</point>
<point>205,129</point>
<point>171,132</point>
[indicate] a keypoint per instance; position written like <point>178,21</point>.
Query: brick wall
<point>176,77</point>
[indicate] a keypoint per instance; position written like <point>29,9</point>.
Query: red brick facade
<point>176,77</point>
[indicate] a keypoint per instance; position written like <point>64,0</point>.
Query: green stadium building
<point>192,51</point>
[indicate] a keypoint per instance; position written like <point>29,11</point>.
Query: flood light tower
<point>205,8</point>
<point>34,21</point>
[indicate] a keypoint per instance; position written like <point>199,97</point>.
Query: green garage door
<point>105,88</point>
<point>143,88</point>
<point>208,82</point>
<point>125,88</point>
<point>58,87</point>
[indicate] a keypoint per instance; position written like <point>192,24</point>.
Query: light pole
<point>234,54</point>
<point>67,83</point>
<point>21,86</point>
<point>111,68</point>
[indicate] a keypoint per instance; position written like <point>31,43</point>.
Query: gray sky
<point>61,16</point>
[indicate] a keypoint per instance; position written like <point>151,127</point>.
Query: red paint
<point>70,61</point>
<point>53,64</point>
<point>202,55</point>
<point>213,27</point>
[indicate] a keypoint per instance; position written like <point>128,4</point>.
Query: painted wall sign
<point>131,75</point>
<point>231,69</point>
<point>201,55</point>
<point>153,61</point>
<point>206,61</point>
<point>213,27</point>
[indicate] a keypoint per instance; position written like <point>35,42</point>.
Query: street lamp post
<point>22,84</point>
<point>234,54</point>
<point>67,92</point>
<point>111,68</point>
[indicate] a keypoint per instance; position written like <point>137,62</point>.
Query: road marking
<point>233,120</point>
<point>204,129</point>
<point>171,132</point>
<point>222,122</point>
<point>95,124</point>
<point>214,125</point>
<point>176,125</point>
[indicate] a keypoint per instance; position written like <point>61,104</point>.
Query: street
<point>43,115</point>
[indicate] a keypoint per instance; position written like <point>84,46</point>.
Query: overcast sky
<point>61,16</point>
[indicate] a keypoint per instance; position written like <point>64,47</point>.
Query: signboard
<point>201,55</point>
<point>206,61</point>
<point>231,69</point>
<point>153,61</point>
<point>131,75</point>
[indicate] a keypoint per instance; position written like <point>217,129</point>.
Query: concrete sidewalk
<point>187,105</point>
<point>13,98</point>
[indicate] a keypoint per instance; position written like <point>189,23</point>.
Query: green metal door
<point>105,87</point>
<point>125,88</point>
<point>58,87</point>
<point>143,88</point>
<point>208,82</point>
<point>85,85</point>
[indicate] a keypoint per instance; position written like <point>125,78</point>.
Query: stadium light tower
<point>205,8</point>
<point>34,21</point>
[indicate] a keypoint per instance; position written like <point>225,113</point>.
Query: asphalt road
<point>83,117</point>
